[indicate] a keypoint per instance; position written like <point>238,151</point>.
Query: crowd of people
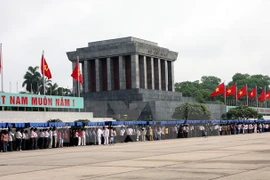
<point>46,138</point>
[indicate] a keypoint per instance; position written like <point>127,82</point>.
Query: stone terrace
<point>222,157</point>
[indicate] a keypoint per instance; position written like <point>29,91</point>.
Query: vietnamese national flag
<point>252,93</point>
<point>76,74</point>
<point>231,90</point>
<point>262,96</point>
<point>268,95</point>
<point>45,70</point>
<point>219,90</point>
<point>242,92</point>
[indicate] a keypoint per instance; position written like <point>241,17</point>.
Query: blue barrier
<point>127,123</point>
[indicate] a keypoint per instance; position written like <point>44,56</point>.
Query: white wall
<point>18,116</point>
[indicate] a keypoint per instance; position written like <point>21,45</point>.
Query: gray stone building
<point>128,78</point>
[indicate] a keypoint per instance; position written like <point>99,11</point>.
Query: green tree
<point>210,82</point>
<point>242,112</point>
<point>63,91</point>
<point>55,120</point>
<point>82,120</point>
<point>191,111</point>
<point>32,80</point>
<point>44,81</point>
<point>52,89</point>
<point>261,81</point>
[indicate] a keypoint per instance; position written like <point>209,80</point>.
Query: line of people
<point>44,138</point>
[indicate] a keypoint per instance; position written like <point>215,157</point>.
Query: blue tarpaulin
<point>127,123</point>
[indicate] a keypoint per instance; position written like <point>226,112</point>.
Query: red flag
<point>231,90</point>
<point>76,74</point>
<point>252,93</point>
<point>268,95</point>
<point>262,96</point>
<point>219,90</point>
<point>1,66</point>
<point>45,70</point>
<point>242,92</point>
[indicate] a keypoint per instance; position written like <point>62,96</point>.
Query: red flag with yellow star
<point>219,90</point>
<point>45,70</point>
<point>76,74</point>
<point>242,92</point>
<point>262,96</point>
<point>231,90</point>
<point>252,93</point>
<point>267,95</point>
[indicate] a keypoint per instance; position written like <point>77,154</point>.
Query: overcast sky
<point>212,37</point>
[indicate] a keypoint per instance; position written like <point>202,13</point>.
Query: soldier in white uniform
<point>106,135</point>
<point>99,134</point>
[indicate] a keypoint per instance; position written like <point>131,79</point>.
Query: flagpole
<point>265,97</point>
<point>225,95</point>
<point>247,93</point>
<point>1,68</point>
<point>257,102</point>
<point>236,93</point>
<point>17,87</point>
<point>43,75</point>
<point>78,78</point>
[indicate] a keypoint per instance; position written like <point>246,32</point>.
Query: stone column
<point>157,68</point>
<point>97,75</point>
<point>159,75</point>
<point>75,85</point>
<point>85,77</point>
<point>143,72</point>
<point>172,75</point>
<point>135,74</point>
<point>122,72</point>
<point>109,74</point>
<point>166,75</point>
<point>152,72</point>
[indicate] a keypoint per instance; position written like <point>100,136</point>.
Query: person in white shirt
<point>42,139</point>
<point>122,134</point>
<point>260,128</point>
<point>83,137</point>
<point>159,132</point>
<point>26,140</point>
<point>138,133</point>
<point>10,140</point>
<point>46,139</point>
<point>112,136</point>
<point>250,128</point>
<point>54,138</point>
<point>143,134</point>
<point>186,130</point>
<point>32,138</point>
<point>239,127</point>
<point>106,135</point>
<point>99,134</point>
<point>129,132</point>
<point>50,138</point>
<point>19,140</point>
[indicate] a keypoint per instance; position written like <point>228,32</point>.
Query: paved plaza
<point>224,157</point>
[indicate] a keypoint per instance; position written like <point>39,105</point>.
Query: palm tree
<point>64,91</point>
<point>52,89</point>
<point>47,83</point>
<point>32,80</point>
